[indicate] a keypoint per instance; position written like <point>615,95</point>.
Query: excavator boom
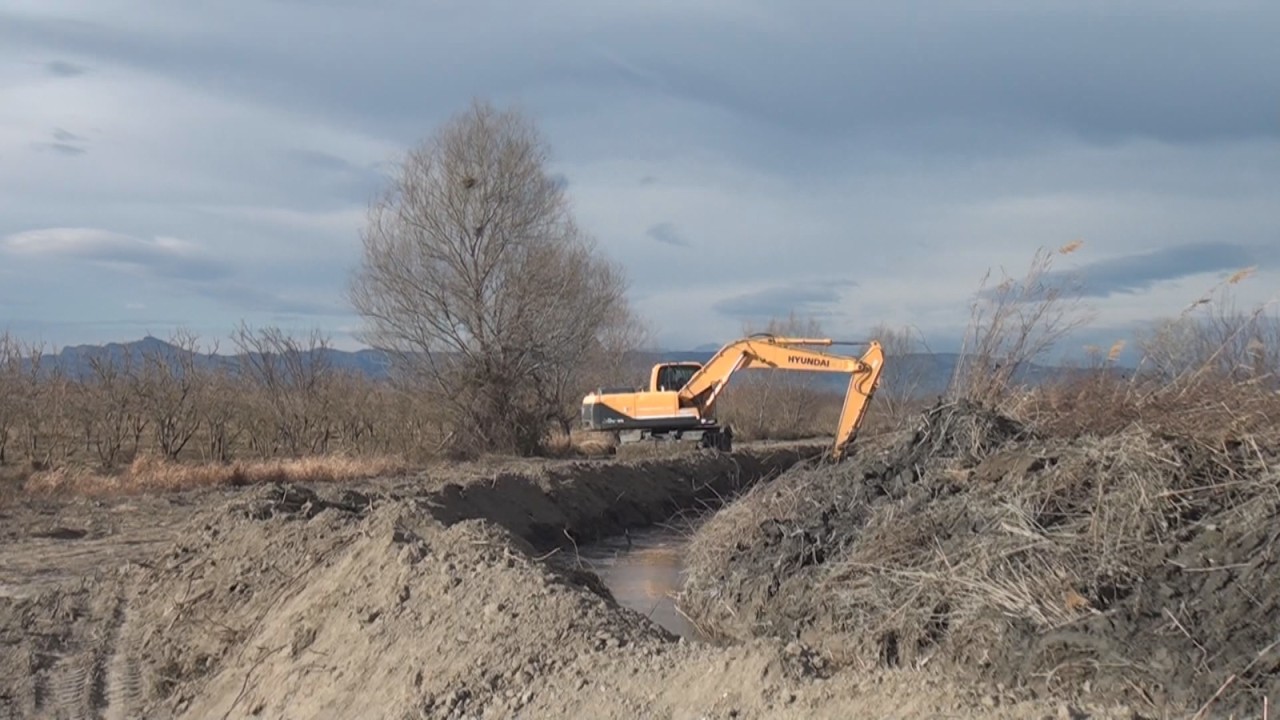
<point>782,353</point>
<point>862,387</point>
<point>682,396</point>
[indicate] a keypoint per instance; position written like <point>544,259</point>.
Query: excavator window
<point>674,377</point>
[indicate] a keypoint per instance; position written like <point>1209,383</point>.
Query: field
<point>1103,546</point>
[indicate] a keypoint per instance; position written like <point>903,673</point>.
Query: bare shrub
<point>478,282</point>
<point>1013,324</point>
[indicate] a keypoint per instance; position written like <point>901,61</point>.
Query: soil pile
<point>1134,567</point>
<point>287,604</point>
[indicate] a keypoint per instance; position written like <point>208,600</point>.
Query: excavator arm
<point>780,353</point>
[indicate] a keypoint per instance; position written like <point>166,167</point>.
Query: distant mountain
<point>924,373</point>
<point>78,360</point>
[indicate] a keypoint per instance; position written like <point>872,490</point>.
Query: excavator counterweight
<point>681,396</point>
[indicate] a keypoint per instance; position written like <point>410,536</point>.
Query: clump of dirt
<point>1136,566</point>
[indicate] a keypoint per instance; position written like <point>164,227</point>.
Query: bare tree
<point>11,361</point>
<point>290,377</point>
<point>479,284</point>
<point>171,389</point>
<point>110,406</point>
<point>43,405</point>
<point>222,402</point>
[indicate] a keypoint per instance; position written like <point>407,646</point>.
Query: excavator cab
<point>670,377</point>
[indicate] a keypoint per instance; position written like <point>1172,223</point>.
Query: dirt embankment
<point>565,503</point>
<point>1130,568</point>
<point>401,597</point>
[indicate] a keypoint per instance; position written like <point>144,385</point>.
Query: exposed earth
<point>457,593</point>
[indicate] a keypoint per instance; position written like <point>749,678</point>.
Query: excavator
<point>681,395</point>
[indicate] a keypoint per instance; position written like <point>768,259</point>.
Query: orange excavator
<point>681,395</point>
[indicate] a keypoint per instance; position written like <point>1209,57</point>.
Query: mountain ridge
<point>923,373</point>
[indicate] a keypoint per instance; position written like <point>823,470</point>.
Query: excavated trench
<point>644,570</point>
<point>423,595</point>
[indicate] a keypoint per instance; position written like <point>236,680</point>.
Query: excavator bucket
<point>862,386</point>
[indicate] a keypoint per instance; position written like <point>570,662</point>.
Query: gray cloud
<point>1131,274</point>
<point>786,144</point>
<point>247,297</point>
<point>667,234</point>
<point>159,257</point>
<point>780,301</point>
<point>64,148</point>
<point>63,68</point>
<point>318,160</point>
<point>65,143</point>
<point>989,75</point>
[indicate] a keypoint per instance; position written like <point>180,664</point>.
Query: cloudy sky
<point>195,165</point>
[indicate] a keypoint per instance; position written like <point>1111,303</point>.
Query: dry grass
<point>1015,323</point>
<point>1212,372</point>
<point>150,474</point>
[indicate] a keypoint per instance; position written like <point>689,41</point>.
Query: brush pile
<point>1138,565</point>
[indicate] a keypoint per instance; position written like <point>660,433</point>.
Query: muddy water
<point>644,571</point>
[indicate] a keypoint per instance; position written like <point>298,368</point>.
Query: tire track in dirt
<point>84,673</point>
<point>68,686</point>
<point>123,691</point>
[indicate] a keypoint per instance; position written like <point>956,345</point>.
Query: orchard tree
<point>478,283</point>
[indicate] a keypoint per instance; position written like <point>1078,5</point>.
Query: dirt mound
<point>1134,565</point>
<point>287,603</point>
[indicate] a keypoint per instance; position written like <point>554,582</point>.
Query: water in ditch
<point>644,569</point>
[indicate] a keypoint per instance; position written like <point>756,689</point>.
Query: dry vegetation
<point>1112,527</point>
<point>1209,374</point>
<point>162,417</point>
